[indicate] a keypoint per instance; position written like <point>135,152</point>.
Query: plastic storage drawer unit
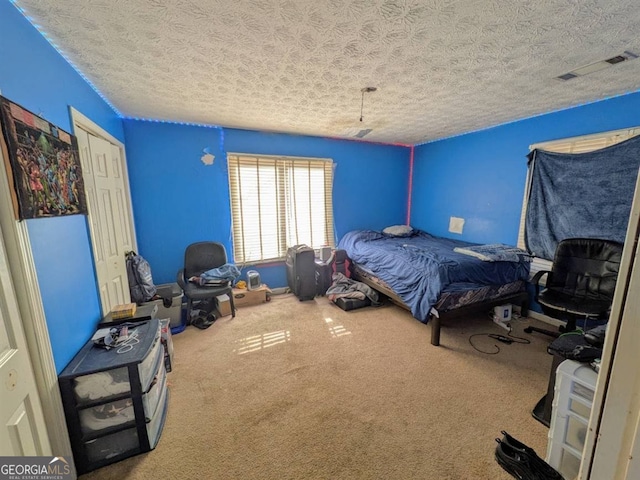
<point>115,400</point>
<point>572,401</point>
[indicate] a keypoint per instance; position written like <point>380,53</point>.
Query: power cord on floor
<point>507,340</point>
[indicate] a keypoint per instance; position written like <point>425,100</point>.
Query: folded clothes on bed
<point>495,252</point>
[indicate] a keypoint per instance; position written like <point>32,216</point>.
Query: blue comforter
<point>419,267</point>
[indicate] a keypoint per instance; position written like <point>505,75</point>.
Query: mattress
<point>454,296</point>
<point>421,268</point>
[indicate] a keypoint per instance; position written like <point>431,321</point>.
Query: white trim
<point>25,281</point>
<point>606,434</point>
<point>276,157</point>
<point>81,121</point>
<point>623,134</point>
<point>525,205</point>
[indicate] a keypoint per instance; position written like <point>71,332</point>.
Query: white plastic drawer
<point>579,408</point>
<point>95,386</point>
<point>112,414</point>
<point>107,415</point>
<point>151,399</point>
<point>109,446</point>
<point>576,433</point>
<point>569,465</point>
<point>582,391</point>
<point>148,367</point>
<point>154,427</point>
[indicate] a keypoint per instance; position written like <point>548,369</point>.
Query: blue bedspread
<point>419,267</point>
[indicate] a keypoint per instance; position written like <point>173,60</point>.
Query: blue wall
<point>480,176</point>
<point>35,76</point>
<point>178,200</point>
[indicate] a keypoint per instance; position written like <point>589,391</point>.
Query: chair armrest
<point>536,280</point>
<point>180,278</point>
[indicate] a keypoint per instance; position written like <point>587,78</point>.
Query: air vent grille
<point>567,76</point>
<point>615,60</point>
<point>363,133</point>
<point>597,66</point>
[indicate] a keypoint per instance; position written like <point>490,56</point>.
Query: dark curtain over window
<point>584,195</point>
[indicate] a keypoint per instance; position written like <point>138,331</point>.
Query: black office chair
<point>580,285</point>
<point>198,258</point>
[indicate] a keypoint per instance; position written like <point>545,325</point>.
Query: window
<point>582,144</point>
<point>278,202</point>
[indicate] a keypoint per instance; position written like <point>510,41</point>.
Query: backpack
<point>141,284</point>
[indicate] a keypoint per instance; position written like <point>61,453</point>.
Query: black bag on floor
<point>301,271</point>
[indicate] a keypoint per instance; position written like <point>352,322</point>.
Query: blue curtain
<point>585,195</point>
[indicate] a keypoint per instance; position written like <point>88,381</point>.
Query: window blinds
<point>277,202</point>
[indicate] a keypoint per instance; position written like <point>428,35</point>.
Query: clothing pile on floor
<point>350,294</point>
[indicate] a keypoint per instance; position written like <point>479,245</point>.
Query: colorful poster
<point>44,164</point>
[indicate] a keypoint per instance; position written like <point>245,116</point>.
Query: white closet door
<point>122,198</point>
<point>109,217</point>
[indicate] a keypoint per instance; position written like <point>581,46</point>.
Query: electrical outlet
<point>456,224</point>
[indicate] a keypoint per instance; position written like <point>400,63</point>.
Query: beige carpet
<point>303,390</point>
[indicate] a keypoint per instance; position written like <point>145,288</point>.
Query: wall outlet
<point>456,224</point>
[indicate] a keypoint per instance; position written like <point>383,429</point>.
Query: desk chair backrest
<point>202,256</point>
<point>586,268</point>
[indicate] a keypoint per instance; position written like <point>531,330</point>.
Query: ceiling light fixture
<point>365,90</point>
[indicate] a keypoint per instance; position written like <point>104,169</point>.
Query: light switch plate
<point>456,224</point>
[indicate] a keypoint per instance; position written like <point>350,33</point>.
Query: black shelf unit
<point>115,403</point>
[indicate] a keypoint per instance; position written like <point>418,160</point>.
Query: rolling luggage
<point>338,262</point>
<point>324,271</point>
<point>301,271</point>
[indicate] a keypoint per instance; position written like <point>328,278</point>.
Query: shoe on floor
<point>542,468</point>
<point>515,462</point>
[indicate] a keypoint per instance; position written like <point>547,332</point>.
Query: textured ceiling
<point>441,67</point>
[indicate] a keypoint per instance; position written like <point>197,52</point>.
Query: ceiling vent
<point>363,133</point>
<point>355,132</point>
<point>597,66</point>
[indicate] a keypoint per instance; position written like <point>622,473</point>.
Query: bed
<point>428,276</point>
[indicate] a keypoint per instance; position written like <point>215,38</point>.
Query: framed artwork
<point>43,162</point>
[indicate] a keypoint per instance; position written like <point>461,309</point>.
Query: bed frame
<point>520,298</point>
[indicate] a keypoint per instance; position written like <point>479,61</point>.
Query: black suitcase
<point>324,272</point>
<point>301,271</point>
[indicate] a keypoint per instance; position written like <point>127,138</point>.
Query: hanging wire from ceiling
<point>365,90</point>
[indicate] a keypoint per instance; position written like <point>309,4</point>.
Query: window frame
<point>283,165</point>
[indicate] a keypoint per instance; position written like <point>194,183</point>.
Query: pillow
<point>399,231</point>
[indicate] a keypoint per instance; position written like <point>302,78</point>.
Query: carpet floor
<point>304,390</point>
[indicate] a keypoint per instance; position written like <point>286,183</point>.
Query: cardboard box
<point>243,297</point>
<point>223,304</point>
